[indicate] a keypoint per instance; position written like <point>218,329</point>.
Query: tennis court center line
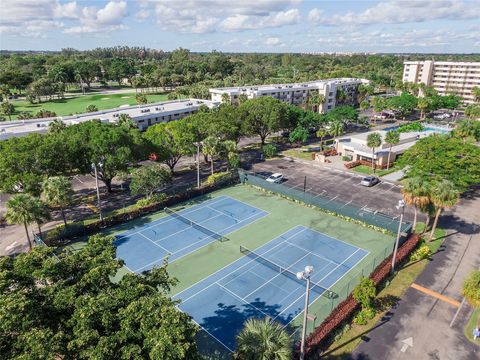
<point>319,281</point>
<point>226,266</point>
<point>368,252</point>
<point>193,244</point>
<point>160,246</point>
<point>435,295</point>
<point>244,203</point>
<point>312,253</point>
<point>239,298</point>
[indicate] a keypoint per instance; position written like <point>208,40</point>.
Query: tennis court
<point>263,282</point>
<point>180,233</point>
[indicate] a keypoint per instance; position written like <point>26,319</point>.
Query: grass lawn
<point>78,104</point>
<point>362,169</point>
<point>351,336</point>
<point>298,153</point>
<point>471,325</point>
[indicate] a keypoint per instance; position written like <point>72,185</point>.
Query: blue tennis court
<point>262,283</point>
<point>175,236</point>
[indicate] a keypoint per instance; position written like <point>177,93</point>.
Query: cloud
<point>38,17</point>
<point>219,15</point>
<point>398,12</point>
<point>272,41</point>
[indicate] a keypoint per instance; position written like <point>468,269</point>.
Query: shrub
<point>423,252</point>
<point>269,151</point>
<point>365,292</point>
<point>156,198</point>
<point>218,177</point>
<point>363,316</point>
<point>346,158</point>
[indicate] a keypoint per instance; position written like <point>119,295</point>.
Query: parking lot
<point>337,185</point>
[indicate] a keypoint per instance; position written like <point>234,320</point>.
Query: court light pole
<point>94,166</point>
<point>305,275</point>
<point>399,206</point>
<point>198,143</point>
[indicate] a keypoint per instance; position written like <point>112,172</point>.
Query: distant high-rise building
<point>447,77</point>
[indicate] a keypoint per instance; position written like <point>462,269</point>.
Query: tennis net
<point>195,225</point>
<point>284,271</point>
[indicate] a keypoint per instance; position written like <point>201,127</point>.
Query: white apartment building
<point>142,115</point>
<point>297,93</point>
<point>446,77</point>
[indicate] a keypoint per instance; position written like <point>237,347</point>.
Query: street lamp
<point>305,275</point>
<point>400,206</point>
<point>94,167</point>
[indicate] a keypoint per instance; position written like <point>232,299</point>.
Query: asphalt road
<point>425,319</point>
<point>338,185</point>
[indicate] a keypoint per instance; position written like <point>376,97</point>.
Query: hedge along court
<point>213,271</point>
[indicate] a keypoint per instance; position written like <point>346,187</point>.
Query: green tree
<point>263,339</point>
<point>126,121</point>
<point>146,180</point>
<point>476,93</point>
<point>443,195</point>
<point>468,129</point>
<point>423,104</point>
<point>56,126</point>
<point>299,134</point>
<point>226,99</point>
<point>21,210</point>
<point>91,108</point>
<point>40,214</point>
<point>336,129</point>
<point>71,309</point>
<point>404,103</point>
<point>471,290</point>
<point>57,192</point>
<point>242,98</point>
<point>7,109</point>
<point>391,138</point>
<point>379,103</point>
<point>365,293</point>
<point>211,147</point>
<point>416,193</point>
<point>374,140</point>
<point>364,105</point>
<point>263,116</point>
<point>321,133</point>
<point>473,111</point>
<point>141,99</point>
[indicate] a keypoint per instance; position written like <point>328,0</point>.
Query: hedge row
<point>356,163</point>
<point>61,235</point>
<point>322,335</point>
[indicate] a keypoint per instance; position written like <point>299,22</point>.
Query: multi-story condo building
<point>142,115</point>
<point>447,77</point>
<point>336,92</point>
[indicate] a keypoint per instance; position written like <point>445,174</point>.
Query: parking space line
<point>436,295</point>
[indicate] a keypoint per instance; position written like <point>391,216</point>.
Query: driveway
<point>422,320</point>
<point>338,185</point>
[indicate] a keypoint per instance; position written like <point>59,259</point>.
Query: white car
<point>276,178</point>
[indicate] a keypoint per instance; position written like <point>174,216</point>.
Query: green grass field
<point>78,104</point>
<point>283,215</point>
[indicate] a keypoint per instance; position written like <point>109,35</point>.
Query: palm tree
<point>423,104</point>
<point>211,147</point>
<point>476,93</point>
<point>374,140</point>
<point>337,128</point>
<point>391,138</point>
<point>470,290</point>
<point>321,133</point>
<point>126,121</point>
<point>263,339</point>
<point>415,193</point>
<point>57,191</point>
<point>21,210</point>
<point>444,194</point>
<point>40,214</point>
<point>467,129</point>
<point>226,98</point>
<point>56,126</point>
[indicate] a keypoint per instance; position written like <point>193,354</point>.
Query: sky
<point>436,26</point>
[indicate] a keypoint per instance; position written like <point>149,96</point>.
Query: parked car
<point>369,181</point>
<point>276,178</point>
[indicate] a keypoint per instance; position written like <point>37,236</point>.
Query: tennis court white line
<point>238,297</point>
<point>160,246</point>
<point>319,281</point>
<point>312,253</point>
<point>223,268</point>
<point>368,252</point>
<point>196,242</point>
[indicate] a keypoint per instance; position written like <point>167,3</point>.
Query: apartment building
<point>342,91</point>
<point>142,115</point>
<point>446,77</point>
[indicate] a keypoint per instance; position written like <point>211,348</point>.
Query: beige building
<point>342,91</point>
<point>446,77</point>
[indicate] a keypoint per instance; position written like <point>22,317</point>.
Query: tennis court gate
<point>378,219</point>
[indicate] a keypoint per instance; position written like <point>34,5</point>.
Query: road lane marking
<point>435,295</point>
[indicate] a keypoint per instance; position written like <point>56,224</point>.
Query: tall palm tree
<point>21,210</point>
<point>423,104</point>
<point>40,214</point>
<point>263,339</point>
<point>126,121</point>
<point>467,129</point>
<point>444,194</point>
<point>471,291</point>
<point>415,193</point>
<point>391,138</point>
<point>337,128</point>
<point>476,93</point>
<point>56,126</point>
<point>57,192</point>
<point>321,133</point>
<point>374,140</point>
<point>211,147</point>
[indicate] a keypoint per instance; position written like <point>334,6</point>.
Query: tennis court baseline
<point>183,232</point>
<point>263,283</point>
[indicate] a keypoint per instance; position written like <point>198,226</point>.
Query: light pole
<point>305,275</point>
<point>198,143</point>
<point>94,166</point>
<point>400,206</point>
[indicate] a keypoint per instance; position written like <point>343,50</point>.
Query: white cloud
<point>272,41</point>
<point>192,16</point>
<point>397,12</point>
<point>38,17</point>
